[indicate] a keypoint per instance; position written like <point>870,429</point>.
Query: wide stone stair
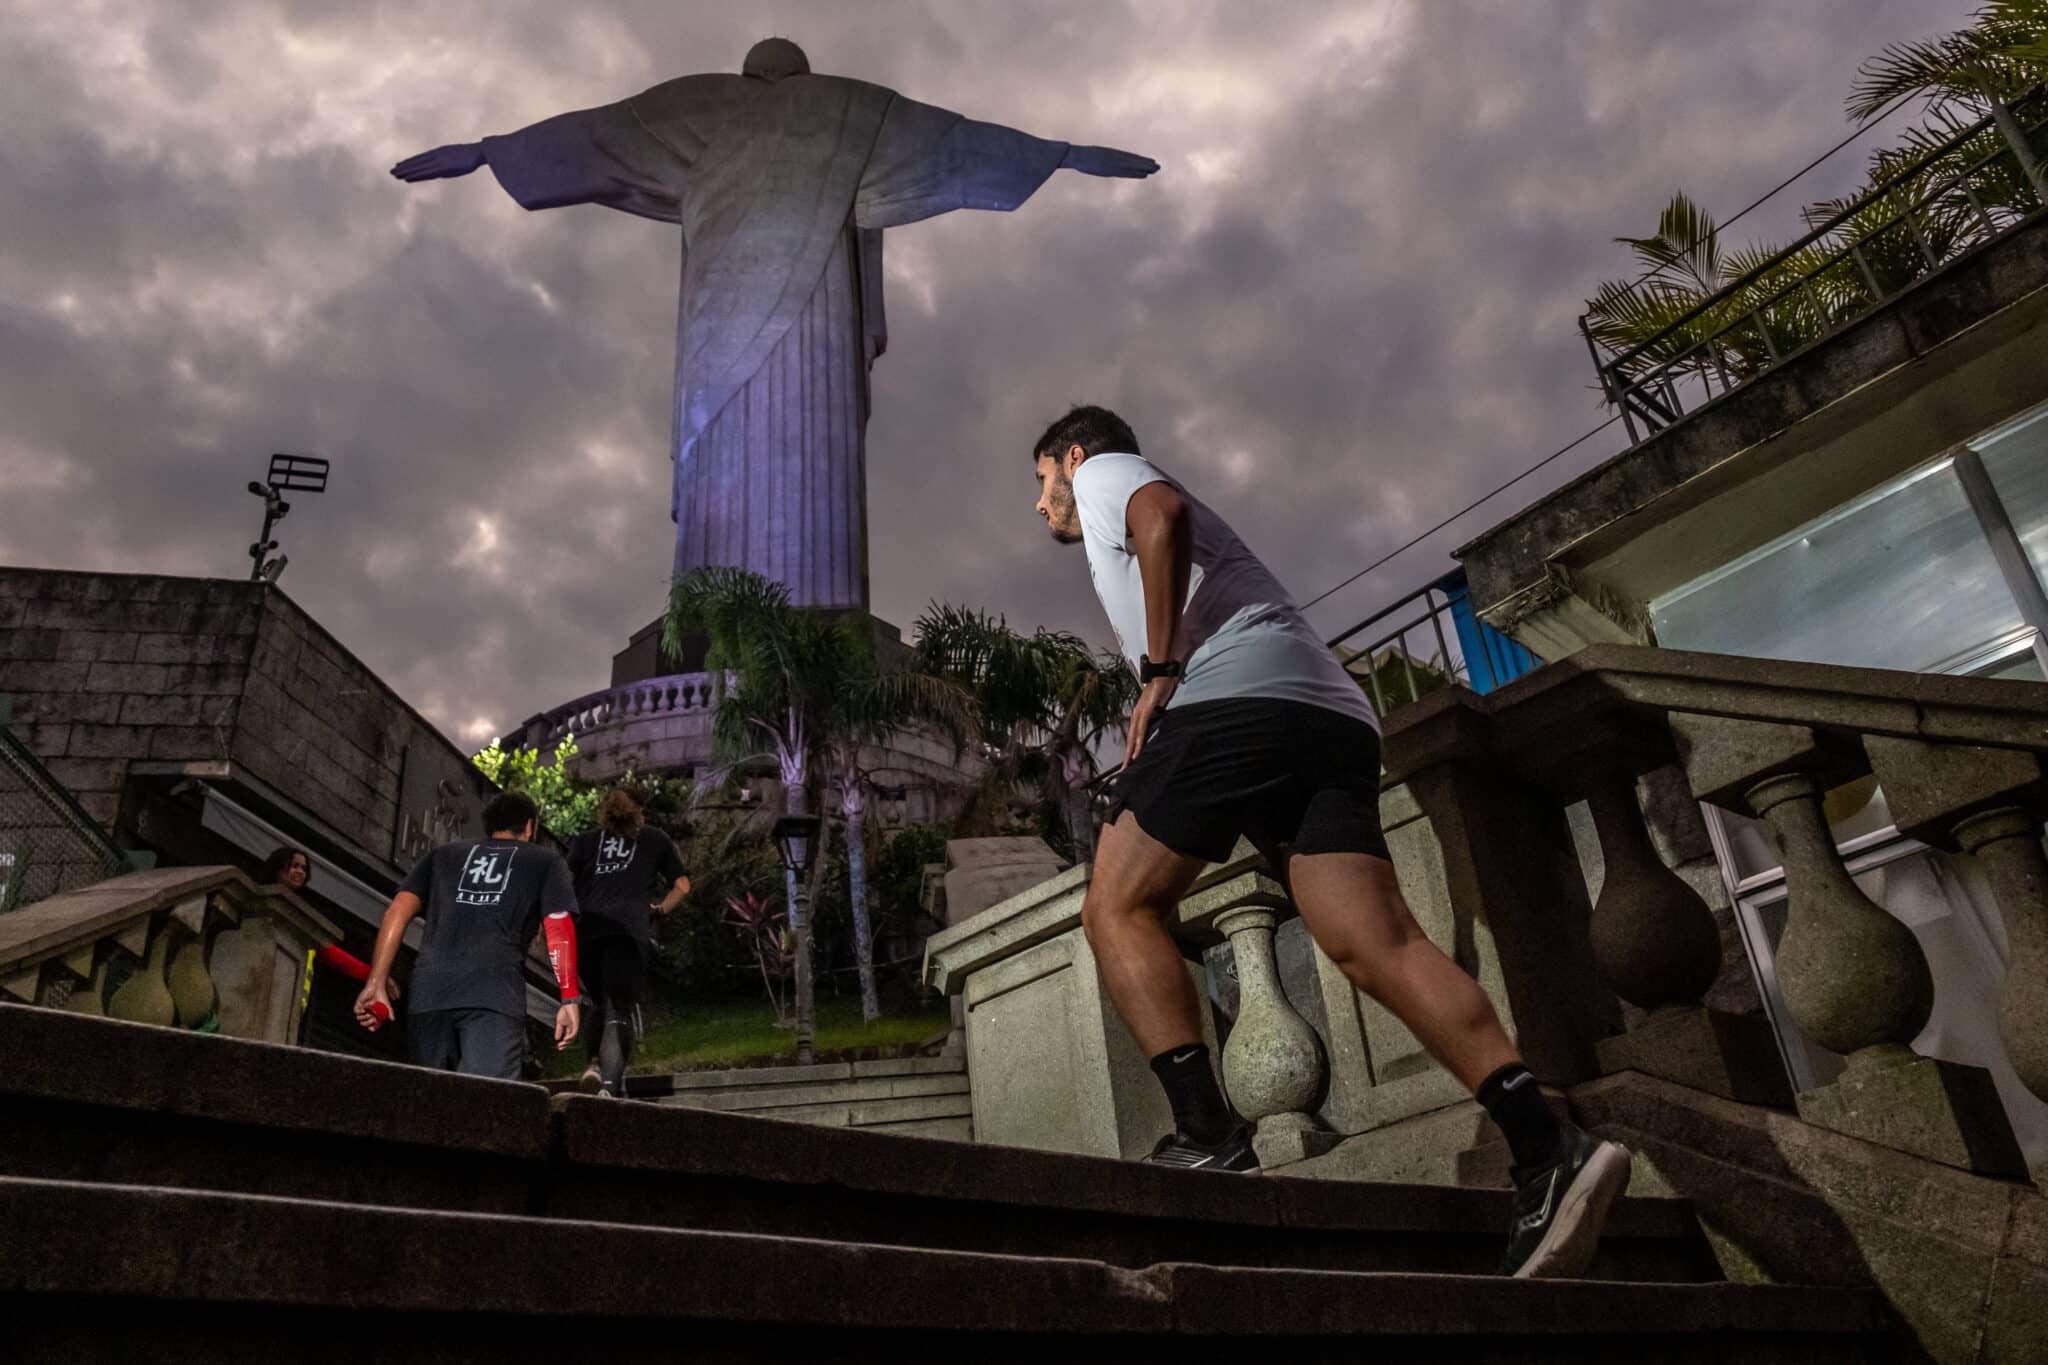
<point>169,1196</point>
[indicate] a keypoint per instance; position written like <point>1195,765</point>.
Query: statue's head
<point>772,59</point>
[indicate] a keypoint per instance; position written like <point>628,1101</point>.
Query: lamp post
<point>796,839</point>
<point>288,473</point>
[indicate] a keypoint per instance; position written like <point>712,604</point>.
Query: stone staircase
<point>915,1096</point>
<point>170,1197</point>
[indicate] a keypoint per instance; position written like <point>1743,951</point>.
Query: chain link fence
<point>48,843</point>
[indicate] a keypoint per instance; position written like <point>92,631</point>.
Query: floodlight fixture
<point>293,473</point>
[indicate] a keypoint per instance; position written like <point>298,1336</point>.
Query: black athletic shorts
<point>473,1042</point>
<point>1283,774</point>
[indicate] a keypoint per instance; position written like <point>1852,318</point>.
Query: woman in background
<point>624,869</point>
<point>288,866</point>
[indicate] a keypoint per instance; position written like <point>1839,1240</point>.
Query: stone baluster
<point>1656,945</point>
<point>1853,978</point>
<point>2007,842</point>
<point>1987,803</point>
<point>1273,1067</point>
<point>1653,937</point>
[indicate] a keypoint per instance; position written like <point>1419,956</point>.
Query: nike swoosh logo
<point>1517,1082</point>
<point>1536,1219</point>
<point>1186,1054</point>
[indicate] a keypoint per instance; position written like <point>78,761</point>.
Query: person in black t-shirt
<point>482,900</point>
<point>623,869</point>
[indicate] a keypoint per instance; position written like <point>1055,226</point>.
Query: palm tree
<point>1697,311</point>
<point>1045,700</point>
<point>778,671</point>
<point>1973,70</point>
<point>873,705</point>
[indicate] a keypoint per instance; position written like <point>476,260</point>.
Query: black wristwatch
<point>1147,670</point>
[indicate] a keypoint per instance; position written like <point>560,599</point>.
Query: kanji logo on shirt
<point>485,873</point>
<point>614,854</point>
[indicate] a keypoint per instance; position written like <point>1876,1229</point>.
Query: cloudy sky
<point>1343,308</point>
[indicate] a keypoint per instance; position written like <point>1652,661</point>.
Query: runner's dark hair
<point>1093,429</point>
<point>509,811</point>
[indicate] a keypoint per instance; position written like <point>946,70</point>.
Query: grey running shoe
<point>590,1082</point>
<point>1560,1209</point>
<point>1234,1153</point>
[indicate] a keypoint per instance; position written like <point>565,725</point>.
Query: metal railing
<point>1828,278</point>
<point>48,844</point>
<point>1378,645</point>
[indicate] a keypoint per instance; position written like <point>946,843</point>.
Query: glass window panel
<point>2016,457</point>
<point>1902,578</point>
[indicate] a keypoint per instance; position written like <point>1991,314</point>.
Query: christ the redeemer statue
<point>781,182</point>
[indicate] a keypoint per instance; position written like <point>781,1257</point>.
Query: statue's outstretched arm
<point>1108,161</point>
<point>602,156</point>
<point>442,163</point>
<point>929,160</point>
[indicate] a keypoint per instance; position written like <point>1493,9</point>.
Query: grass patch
<point>691,1035</point>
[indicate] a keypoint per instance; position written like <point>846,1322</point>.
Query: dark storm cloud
<point>1344,307</point>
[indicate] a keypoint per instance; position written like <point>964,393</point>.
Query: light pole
<point>288,473</point>
<point>796,839</point>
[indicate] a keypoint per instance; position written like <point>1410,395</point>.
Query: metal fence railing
<point>1922,212</point>
<point>1454,646</point>
<point>48,843</point>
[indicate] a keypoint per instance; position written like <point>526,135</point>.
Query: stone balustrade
<point>650,697</point>
<point>1959,763</point>
<point>200,948</point>
<point>1480,798</point>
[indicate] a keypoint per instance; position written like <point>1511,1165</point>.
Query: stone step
<point>88,1099</point>
<point>659,1085</point>
<point>872,1113</point>
<point>681,1166</point>
<point>112,1271</point>
<point>768,1099</point>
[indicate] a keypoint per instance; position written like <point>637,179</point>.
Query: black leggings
<point>614,968</point>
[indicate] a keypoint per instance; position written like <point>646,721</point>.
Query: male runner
<point>622,869</point>
<point>1248,725</point>
<point>482,899</point>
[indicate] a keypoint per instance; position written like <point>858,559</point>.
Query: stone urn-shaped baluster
<point>1273,1068</point>
<point>1853,978</point>
<point>1988,804</point>
<point>145,997</point>
<point>2008,843</point>
<point>1657,947</point>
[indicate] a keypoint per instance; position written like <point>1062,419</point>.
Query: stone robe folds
<point>781,189</point>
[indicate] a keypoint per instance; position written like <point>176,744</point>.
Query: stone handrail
<point>1476,805</point>
<point>674,692</point>
<point>1960,761</point>
<point>193,947</point>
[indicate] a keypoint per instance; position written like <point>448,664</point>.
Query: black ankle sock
<point>1516,1106</point>
<point>1198,1108</point>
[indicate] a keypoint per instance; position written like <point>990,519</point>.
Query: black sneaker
<point>1234,1153</point>
<point>1560,1209</point>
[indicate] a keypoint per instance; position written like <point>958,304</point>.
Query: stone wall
<point>107,671</point>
